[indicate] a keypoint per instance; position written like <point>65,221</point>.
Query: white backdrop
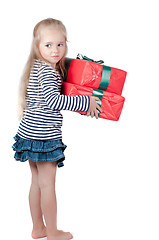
<point>108,188</point>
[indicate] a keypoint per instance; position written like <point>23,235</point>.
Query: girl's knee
<point>46,174</point>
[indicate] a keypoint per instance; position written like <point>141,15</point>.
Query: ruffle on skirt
<point>39,151</point>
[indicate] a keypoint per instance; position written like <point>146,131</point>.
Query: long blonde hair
<point>35,54</point>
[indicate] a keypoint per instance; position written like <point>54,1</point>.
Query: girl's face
<point>52,45</point>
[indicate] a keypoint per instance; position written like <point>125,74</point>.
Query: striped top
<point>42,119</point>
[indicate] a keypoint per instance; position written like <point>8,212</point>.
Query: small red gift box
<point>110,103</point>
<point>94,75</point>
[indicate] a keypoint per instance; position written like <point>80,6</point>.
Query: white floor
<point>45,238</point>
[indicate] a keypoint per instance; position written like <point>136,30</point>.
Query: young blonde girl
<point>39,136</point>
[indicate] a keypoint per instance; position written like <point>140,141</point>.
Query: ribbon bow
<point>80,56</point>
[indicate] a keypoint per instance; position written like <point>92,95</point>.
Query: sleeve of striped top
<point>48,79</point>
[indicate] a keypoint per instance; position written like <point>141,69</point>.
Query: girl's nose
<point>54,49</point>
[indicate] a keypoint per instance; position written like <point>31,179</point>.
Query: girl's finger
<point>99,108</point>
<point>88,113</point>
<point>96,114</point>
<point>96,98</point>
<point>92,114</point>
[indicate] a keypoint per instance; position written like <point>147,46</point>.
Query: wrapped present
<point>90,73</point>
<point>110,103</point>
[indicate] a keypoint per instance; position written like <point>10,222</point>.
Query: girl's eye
<point>48,45</point>
<point>60,44</point>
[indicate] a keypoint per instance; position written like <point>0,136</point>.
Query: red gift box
<point>110,103</point>
<point>94,75</point>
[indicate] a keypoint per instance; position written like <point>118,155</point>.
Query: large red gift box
<point>95,75</point>
<point>110,103</point>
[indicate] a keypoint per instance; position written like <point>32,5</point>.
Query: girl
<point>39,136</point>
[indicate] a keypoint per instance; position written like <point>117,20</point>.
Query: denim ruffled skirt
<point>39,151</point>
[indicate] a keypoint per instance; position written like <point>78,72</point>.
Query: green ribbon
<point>105,79</point>
<point>80,56</point>
<point>98,93</point>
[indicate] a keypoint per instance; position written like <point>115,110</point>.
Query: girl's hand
<point>93,107</point>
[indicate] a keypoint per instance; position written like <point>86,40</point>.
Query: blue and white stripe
<point>42,118</point>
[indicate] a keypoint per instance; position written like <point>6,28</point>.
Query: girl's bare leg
<point>47,177</point>
<point>39,229</point>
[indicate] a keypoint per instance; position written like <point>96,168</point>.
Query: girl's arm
<point>48,80</point>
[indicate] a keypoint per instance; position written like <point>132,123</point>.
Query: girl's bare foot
<point>60,235</point>
<point>39,233</point>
